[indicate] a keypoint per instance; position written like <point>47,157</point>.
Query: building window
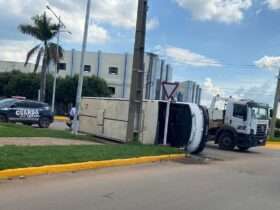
<point>113,70</point>
<point>61,66</point>
<point>112,90</point>
<point>87,68</point>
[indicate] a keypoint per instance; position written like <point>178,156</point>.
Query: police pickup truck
<point>25,111</point>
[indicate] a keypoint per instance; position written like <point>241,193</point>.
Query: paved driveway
<point>41,141</point>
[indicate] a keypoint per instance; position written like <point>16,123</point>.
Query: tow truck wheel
<point>3,118</point>
<point>243,149</point>
<point>226,141</point>
<point>44,122</point>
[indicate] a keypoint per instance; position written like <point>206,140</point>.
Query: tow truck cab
<point>241,123</point>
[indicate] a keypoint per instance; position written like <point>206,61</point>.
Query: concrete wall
<point>108,118</point>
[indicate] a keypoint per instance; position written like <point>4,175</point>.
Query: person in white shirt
<point>71,117</point>
<point>72,113</point>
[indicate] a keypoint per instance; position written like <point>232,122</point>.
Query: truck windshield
<point>260,113</point>
<point>5,103</point>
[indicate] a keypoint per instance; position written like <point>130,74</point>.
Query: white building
<point>189,91</point>
<point>7,66</point>
<point>116,69</point>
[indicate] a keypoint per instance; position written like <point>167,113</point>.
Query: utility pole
<point>275,107</point>
<point>76,123</point>
<point>137,80</point>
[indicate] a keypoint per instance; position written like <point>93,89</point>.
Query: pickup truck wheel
<point>3,118</point>
<point>226,141</point>
<point>44,122</point>
<point>243,149</point>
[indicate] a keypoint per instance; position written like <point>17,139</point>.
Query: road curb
<point>273,145</point>
<point>60,118</point>
<point>61,168</point>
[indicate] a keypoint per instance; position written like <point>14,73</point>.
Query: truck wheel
<point>44,122</point>
<point>226,141</point>
<point>243,149</point>
<point>3,118</point>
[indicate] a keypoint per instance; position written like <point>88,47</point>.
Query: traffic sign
<point>170,88</point>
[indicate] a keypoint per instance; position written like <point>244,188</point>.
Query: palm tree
<point>43,30</point>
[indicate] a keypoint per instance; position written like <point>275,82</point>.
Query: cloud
<point>273,4</point>
<point>153,23</point>
<point>20,8</point>
<point>209,90</point>
<point>71,12</point>
<point>263,92</point>
<point>15,50</point>
<point>186,57</point>
<point>115,13</point>
<point>271,63</point>
<point>227,11</point>
<point>105,15</point>
<point>75,23</point>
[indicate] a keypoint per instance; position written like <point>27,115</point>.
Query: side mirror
<point>13,106</point>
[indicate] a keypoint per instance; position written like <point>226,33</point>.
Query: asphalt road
<point>218,181</point>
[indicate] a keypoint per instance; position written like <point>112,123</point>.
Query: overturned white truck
<point>108,118</point>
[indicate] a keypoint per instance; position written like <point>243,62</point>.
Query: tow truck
<point>240,123</point>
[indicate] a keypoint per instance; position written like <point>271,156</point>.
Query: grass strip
<point>15,130</point>
<point>21,157</point>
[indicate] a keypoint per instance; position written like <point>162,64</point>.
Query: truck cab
<point>242,123</point>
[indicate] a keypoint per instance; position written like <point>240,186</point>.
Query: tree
<point>43,30</point>
<point>16,83</point>
<point>20,84</point>
<point>92,87</point>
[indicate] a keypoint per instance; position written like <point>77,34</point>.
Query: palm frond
<point>31,53</point>
<point>55,52</point>
<point>38,59</point>
<point>42,28</point>
<point>30,30</point>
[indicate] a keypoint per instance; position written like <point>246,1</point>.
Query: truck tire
<point>44,122</point>
<point>243,149</point>
<point>226,141</point>
<point>3,118</point>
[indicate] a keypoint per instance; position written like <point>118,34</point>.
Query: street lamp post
<point>57,64</point>
<point>60,24</point>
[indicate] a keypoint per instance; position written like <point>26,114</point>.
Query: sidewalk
<point>42,141</point>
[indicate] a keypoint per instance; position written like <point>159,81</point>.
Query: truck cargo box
<point>108,118</point>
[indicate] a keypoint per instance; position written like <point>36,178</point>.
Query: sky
<point>229,47</point>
